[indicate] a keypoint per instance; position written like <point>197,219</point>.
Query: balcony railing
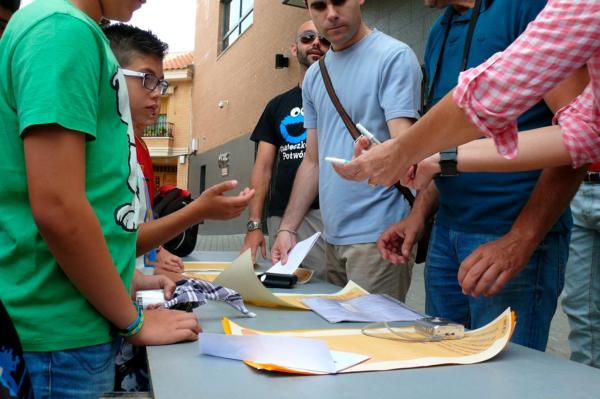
<point>159,129</point>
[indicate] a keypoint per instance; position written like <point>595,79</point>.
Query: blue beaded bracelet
<point>136,326</point>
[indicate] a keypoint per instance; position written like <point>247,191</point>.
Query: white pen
<point>367,134</point>
<point>337,161</point>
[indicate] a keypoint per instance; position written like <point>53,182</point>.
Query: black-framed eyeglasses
<point>309,36</point>
<point>149,81</point>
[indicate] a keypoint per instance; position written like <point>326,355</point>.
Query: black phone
<point>276,280</point>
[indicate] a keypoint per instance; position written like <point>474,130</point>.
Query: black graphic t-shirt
<point>282,124</point>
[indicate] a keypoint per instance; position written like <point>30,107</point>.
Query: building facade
<point>169,140</point>
<point>237,43</point>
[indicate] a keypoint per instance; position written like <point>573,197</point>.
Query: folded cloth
<point>132,370</point>
<point>192,293</point>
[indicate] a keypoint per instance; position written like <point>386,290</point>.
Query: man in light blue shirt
<point>377,80</point>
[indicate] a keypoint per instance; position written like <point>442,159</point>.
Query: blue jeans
<point>581,302</point>
<point>532,293</point>
<point>77,373</point>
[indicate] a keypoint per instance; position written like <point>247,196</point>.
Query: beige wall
<point>178,107</point>
<point>244,74</point>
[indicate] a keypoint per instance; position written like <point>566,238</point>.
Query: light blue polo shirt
<point>377,79</point>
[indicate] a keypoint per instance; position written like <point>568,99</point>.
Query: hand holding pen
<point>364,142</point>
<point>359,146</point>
<point>375,141</point>
<point>370,164</point>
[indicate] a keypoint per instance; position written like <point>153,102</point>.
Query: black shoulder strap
<point>352,129</point>
<point>472,23</point>
<point>350,126</point>
<point>466,50</point>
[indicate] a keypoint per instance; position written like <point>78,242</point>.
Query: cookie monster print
<point>292,127</point>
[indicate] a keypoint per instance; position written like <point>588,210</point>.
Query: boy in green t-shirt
<point>70,204</point>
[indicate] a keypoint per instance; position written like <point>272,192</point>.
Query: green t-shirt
<point>56,67</point>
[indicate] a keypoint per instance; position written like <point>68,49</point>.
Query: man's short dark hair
<point>10,5</point>
<point>128,41</point>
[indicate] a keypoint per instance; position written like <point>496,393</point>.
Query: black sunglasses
<point>309,36</point>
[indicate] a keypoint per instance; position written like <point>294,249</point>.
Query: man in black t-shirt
<point>281,139</point>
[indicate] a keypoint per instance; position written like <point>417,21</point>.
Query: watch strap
<point>448,162</point>
<point>253,225</point>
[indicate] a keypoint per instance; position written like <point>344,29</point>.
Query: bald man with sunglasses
<point>281,139</point>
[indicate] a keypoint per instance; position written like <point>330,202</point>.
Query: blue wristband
<point>136,326</point>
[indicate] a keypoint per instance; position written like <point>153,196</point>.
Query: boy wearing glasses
<point>140,54</point>
<point>281,138</point>
<point>69,213</point>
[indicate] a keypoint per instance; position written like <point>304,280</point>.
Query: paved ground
<point>557,343</point>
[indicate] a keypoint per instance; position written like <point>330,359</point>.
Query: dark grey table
<point>179,371</point>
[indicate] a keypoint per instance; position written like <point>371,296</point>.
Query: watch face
<point>253,225</point>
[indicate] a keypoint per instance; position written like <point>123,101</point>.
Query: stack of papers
<point>386,354</point>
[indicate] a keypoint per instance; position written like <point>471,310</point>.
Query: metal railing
<point>159,129</point>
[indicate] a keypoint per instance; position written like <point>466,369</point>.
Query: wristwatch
<point>448,162</point>
<point>253,225</point>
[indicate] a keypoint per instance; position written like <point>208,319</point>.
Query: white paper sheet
<point>150,297</point>
<point>344,360</point>
<point>302,353</point>
<point>296,256</point>
<point>368,309</point>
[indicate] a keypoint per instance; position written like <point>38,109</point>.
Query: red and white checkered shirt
<point>564,37</point>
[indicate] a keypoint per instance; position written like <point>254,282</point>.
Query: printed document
<point>370,308</point>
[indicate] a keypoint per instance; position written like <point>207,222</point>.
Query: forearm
<point>67,222</point>
<point>444,126</point>
<point>481,155</point>
<point>551,196</point>
<point>85,259</point>
<point>304,192</point>
<point>426,202</point>
<point>259,180</point>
